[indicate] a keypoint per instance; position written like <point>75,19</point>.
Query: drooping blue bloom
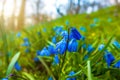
<point>67,22</point>
<point>101,46</point>
<point>38,33</point>
<point>50,78</point>
<point>58,29</point>
<point>90,48</point>
<point>17,66</point>
<point>27,50</point>
<point>96,20</point>
<point>71,36</point>
<point>109,58</point>
<point>71,74</point>
<point>64,34</point>
<point>38,52</point>
<point>84,46</point>
<point>44,52</point>
<point>61,46</point>
<point>85,57</point>
<point>44,29</point>
<point>116,44</point>
<point>36,59</point>
<point>54,40</point>
<point>18,34</point>
<point>4,78</point>
<point>82,28</point>
<point>25,39</point>
<point>51,49</point>
<point>92,25</point>
<point>72,45</point>
<point>117,65</point>
<point>56,59</point>
<point>75,33</point>
<point>26,43</point>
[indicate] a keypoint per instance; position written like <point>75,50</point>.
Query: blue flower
<point>44,52</point>
<point>67,22</point>
<point>64,34</point>
<point>44,29</point>
<point>27,44</point>
<point>71,74</point>
<point>72,45</point>
<point>90,48</point>
<point>85,57</point>
<point>18,34</point>
<point>36,59</point>
<point>117,65</point>
<point>75,33</point>
<point>4,78</point>
<point>92,25</point>
<point>27,50</point>
<point>96,20</point>
<point>116,44</point>
<point>61,46</point>
<point>56,59</point>
<point>17,66</point>
<point>51,49</point>
<point>38,33</point>
<point>38,52</point>
<point>101,46</point>
<point>84,46</point>
<point>58,29</point>
<point>25,39</point>
<point>82,28</point>
<point>109,58</point>
<point>50,78</point>
<point>54,40</point>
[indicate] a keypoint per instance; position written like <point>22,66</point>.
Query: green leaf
<point>12,63</point>
<point>89,70</point>
<point>30,77</point>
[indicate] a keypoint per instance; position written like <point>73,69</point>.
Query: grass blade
<point>12,63</point>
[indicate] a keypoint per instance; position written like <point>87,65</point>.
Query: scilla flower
<point>54,40</point>
<point>75,33</point>
<point>44,52</point>
<point>4,78</point>
<point>116,44</point>
<point>71,74</point>
<point>117,65</point>
<point>51,49</point>
<point>50,78</point>
<point>90,48</point>
<point>64,34</point>
<point>101,46</point>
<point>36,59</point>
<point>56,59</point>
<point>61,46</point>
<point>82,28</point>
<point>17,66</point>
<point>109,58</point>
<point>72,45</point>
<point>18,34</point>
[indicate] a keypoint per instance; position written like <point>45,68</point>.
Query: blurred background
<point>17,14</point>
